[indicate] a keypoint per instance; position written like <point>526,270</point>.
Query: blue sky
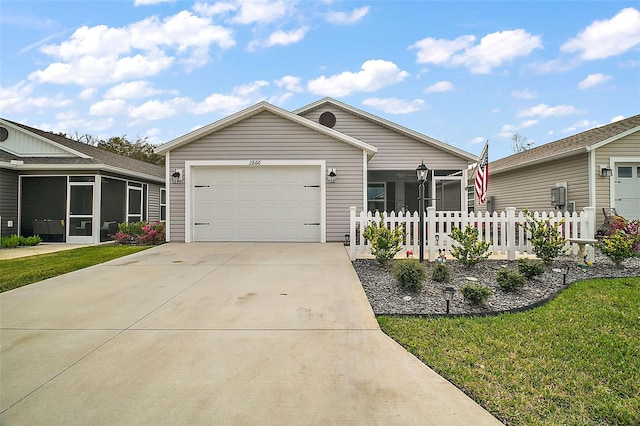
<point>461,72</point>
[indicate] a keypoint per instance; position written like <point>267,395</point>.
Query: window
<point>163,204</point>
<point>471,199</point>
<point>625,171</point>
<point>375,197</point>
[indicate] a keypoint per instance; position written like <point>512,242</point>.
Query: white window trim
<point>188,170</point>
<point>384,184</point>
<point>163,205</point>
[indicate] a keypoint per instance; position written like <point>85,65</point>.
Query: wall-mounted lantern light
<point>331,176</point>
<point>176,176</point>
<point>605,171</point>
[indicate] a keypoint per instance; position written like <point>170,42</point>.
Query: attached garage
<point>261,201</point>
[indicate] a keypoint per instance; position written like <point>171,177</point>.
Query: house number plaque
<point>254,162</point>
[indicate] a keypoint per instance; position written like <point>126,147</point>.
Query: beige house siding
<point>530,187</point>
<point>395,151</point>
<point>628,146</point>
<point>154,202</point>
<point>266,136</point>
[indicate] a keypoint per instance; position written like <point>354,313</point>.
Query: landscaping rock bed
<point>388,298</point>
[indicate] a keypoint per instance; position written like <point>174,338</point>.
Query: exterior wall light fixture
<point>605,171</point>
<point>176,176</point>
<point>331,176</point>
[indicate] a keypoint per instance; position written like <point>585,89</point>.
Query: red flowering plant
<point>140,233</point>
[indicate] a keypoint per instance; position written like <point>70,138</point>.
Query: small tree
<point>546,238</point>
<point>520,143</point>
<point>470,250</point>
<point>385,242</point>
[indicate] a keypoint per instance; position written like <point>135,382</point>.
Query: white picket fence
<point>500,229</point>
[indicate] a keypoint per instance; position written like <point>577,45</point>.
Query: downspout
<point>167,188</point>
<point>365,180</point>
<point>591,176</point>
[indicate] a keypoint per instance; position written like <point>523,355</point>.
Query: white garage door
<point>257,203</point>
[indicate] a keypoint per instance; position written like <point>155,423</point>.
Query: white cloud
<point>343,18</point>
<point>153,110</point>
<point>374,74</point>
<point>99,55</point>
<point>617,118</point>
<point>222,104</point>
<point>395,106</point>
<point>284,38</point>
<point>261,11</point>
<point>593,80</point>
<point>250,89</point>
<point>108,107</point>
<point>523,94</point>
<point>88,93</point>
<point>214,9</point>
<point>440,51</point>
<point>606,38</point>
<point>478,139</point>
<point>493,50</point>
<point>507,131</point>
<point>150,2</point>
<point>441,86</point>
<point>19,98</point>
<point>528,123</point>
<point>290,83</point>
<point>132,90</point>
<point>544,110</point>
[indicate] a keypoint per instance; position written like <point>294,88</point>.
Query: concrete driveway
<point>213,334</point>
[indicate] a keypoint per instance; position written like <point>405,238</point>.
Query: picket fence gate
<point>501,230</point>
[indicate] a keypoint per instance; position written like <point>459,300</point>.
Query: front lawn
<point>26,270</point>
<point>574,361</point>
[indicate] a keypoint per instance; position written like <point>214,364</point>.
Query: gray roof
<point>566,146</point>
<point>98,156</point>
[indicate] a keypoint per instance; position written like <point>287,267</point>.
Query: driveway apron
<point>213,334</point>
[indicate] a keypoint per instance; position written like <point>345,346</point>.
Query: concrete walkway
<point>213,334</point>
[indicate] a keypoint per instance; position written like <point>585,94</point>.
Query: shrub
<point>410,273</point>
<point>618,246</point>
<point>475,293</point>
<point>510,280</point>
<point>33,240</point>
<point>385,242</point>
<point>470,250</point>
<point>12,241</point>
<point>140,233</point>
<point>530,267</point>
<point>546,238</point>
<point>441,272</point>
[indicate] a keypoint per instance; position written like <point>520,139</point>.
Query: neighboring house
<point>598,167</point>
<point>267,174</point>
<point>68,191</point>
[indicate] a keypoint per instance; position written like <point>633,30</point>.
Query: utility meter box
<point>559,196</point>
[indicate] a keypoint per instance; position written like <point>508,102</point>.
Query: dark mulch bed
<point>388,298</point>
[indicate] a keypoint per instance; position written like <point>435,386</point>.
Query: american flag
<point>482,174</point>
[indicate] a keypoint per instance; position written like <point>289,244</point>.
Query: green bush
<point>385,243</point>
<point>530,267</point>
<point>510,280</point>
<point>546,238</point>
<point>441,272</point>
<point>140,233</point>
<point>476,293</point>
<point>618,246</point>
<point>470,250</point>
<point>12,241</point>
<point>33,240</point>
<point>410,273</point>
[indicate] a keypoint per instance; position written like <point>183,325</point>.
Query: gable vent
<point>4,134</point>
<point>327,119</point>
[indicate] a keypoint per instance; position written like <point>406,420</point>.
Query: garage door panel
<point>266,203</point>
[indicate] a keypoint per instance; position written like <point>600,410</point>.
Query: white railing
<point>501,230</point>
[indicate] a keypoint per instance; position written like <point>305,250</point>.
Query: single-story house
<point>599,167</point>
<point>69,191</point>
<point>267,174</point>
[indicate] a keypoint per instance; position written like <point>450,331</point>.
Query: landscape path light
<point>448,295</point>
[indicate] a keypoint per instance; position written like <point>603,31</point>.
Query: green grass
<point>26,270</point>
<point>574,361</point>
